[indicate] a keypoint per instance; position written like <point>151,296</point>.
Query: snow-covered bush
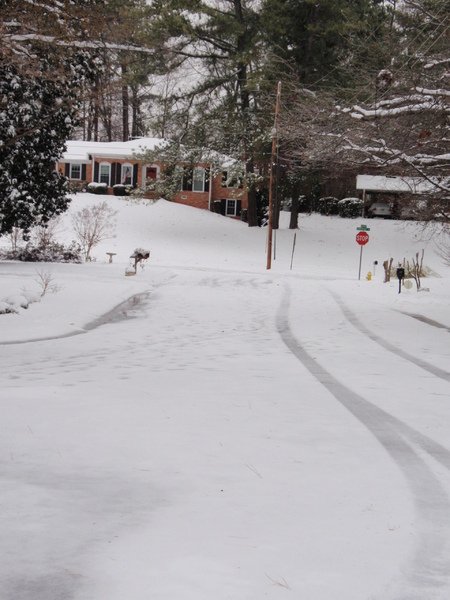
<point>16,301</point>
<point>6,309</point>
<point>97,188</point>
<point>327,205</point>
<point>350,207</point>
<point>53,252</point>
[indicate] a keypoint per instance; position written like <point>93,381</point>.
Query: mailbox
<point>401,276</point>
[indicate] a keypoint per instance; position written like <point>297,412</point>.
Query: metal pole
<point>360,260</point>
<point>274,147</point>
<point>293,248</point>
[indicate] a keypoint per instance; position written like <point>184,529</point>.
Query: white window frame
<point>198,169</point>
<point>227,212</point>
<point>122,177</point>
<point>104,164</point>
<point>144,172</point>
<point>71,173</point>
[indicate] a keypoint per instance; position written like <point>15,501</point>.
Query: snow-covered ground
<point>232,432</point>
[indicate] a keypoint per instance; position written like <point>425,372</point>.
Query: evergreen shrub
<point>97,188</point>
<point>121,190</point>
<point>304,204</point>
<point>350,207</point>
<point>327,205</point>
<point>53,252</point>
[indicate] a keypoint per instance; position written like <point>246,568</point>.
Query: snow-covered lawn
<point>232,433</point>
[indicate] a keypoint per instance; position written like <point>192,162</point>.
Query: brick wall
<point>195,199</point>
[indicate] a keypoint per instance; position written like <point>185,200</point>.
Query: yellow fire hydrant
<point>369,276</point>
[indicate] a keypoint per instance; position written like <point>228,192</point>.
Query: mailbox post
<point>400,276</point>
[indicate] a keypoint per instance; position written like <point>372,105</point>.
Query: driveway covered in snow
<point>232,435</point>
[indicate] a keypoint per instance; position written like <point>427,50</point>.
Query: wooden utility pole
<point>271,176</point>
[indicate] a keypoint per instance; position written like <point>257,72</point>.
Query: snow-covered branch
<point>88,44</point>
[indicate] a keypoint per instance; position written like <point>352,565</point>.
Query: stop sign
<point>362,238</point>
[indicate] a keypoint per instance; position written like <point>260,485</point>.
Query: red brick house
<point>113,163</point>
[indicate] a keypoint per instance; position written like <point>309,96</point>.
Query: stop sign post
<point>362,237</point>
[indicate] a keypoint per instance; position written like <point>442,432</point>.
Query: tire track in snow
<point>427,572</point>
<point>353,319</point>
<point>426,320</point>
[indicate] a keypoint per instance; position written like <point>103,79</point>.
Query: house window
<point>230,208</point>
<point>75,171</point>
<point>151,173</point>
<point>105,173</point>
<point>126,175</point>
<point>198,179</point>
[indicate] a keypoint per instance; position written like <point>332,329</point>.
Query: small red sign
<point>362,238</point>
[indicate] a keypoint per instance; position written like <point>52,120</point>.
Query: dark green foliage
<point>53,252</point>
<point>121,190</point>
<point>350,207</point>
<point>97,188</point>
<point>326,206</point>
<point>37,116</point>
<point>324,41</point>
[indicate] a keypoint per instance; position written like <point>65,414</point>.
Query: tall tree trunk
<point>136,125</point>
<point>293,223</point>
<point>125,105</point>
<point>106,116</point>
<point>92,120</point>
<point>245,106</point>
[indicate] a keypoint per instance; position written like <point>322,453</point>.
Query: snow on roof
<point>78,150</point>
<point>81,151</point>
<point>381,183</point>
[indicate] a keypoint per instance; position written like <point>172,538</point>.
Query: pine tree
<point>222,43</point>
<point>328,42</point>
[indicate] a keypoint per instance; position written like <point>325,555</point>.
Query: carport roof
<point>382,183</point>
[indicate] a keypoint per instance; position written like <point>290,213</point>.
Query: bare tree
<point>45,281</point>
<point>14,237</point>
<point>415,269</point>
<point>44,235</point>
<point>387,266</point>
<point>92,225</point>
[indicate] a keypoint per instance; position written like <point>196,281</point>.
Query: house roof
<point>381,183</point>
<point>80,151</point>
